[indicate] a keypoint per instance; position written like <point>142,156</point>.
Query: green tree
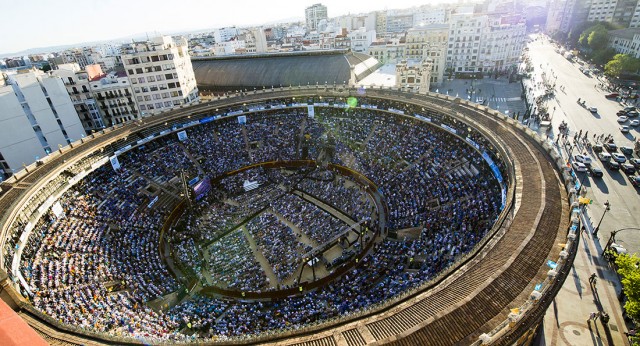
<point>598,38</point>
<point>621,63</point>
<point>603,56</point>
<point>629,270</point>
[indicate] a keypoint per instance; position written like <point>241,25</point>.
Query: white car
<point>605,157</point>
<point>586,159</point>
<point>624,129</point>
<point>634,123</point>
<point>623,119</point>
<point>579,167</point>
<point>593,109</point>
<point>619,157</point>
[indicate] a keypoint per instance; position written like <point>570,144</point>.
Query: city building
<point>635,17</point>
<point>313,15</point>
<point>390,51</point>
<point>225,34</point>
<point>76,81</point>
<point>160,73</point>
<point>479,43</point>
<point>115,98</point>
<point>429,15</point>
<point>564,15</point>
<point>361,39</point>
<point>412,75</point>
<point>37,116</point>
<point>429,42</point>
<point>618,12</point>
<point>626,41</point>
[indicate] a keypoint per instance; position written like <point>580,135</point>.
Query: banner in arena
<point>57,210</point>
<point>242,119</point>
<point>182,136</point>
<point>200,189</point>
<point>114,162</point>
<point>311,111</point>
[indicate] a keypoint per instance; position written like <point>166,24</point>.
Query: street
<point>615,186</point>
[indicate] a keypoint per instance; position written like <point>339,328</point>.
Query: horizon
<point>65,25</point>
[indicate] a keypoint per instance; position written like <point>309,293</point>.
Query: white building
<point>229,47</point>
<point>625,41</point>
<point>501,44</point>
<point>428,16</point>
<point>76,82</point>
<point>479,43</point>
<point>115,97</point>
<point>36,117</point>
<point>602,10</point>
<point>260,40</point>
<point>429,43</point>
<point>225,34</point>
<point>313,15</point>
<point>391,51</point>
<point>361,39</point>
<point>162,72</point>
<point>412,75</point>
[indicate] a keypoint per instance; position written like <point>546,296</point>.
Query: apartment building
<point>76,81</point>
<point>313,15</point>
<point>115,99</point>
<point>37,116</point>
<point>429,42</point>
<point>160,73</point>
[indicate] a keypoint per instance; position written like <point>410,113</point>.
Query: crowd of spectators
<point>233,265</point>
<point>432,181</point>
<point>278,243</point>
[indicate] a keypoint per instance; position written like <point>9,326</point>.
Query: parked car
<point>614,166</point>
<point>621,113</point>
<point>579,167</point>
<point>628,169</point>
<point>632,114</point>
<point>626,150</point>
<point>634,123</point>
<point>635,162</point>
<point>624,129</point>
<point>612,95</point>
<point>583,158</point>
<point>604,157</point>
<point>619,157</point>
<point>611,146</point>
<point>635,180</point>
<point>597,148</point>
<point>623,119</point>
<point>595,171</point>
<point>629,108</point>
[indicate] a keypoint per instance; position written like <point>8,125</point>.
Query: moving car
<point>635,162</point>
<point>579,167</point>
<point>610,146</point>
<point>635,180</point>
<point>586,159</point>
<point>612,95</point>
<point>597,148</point>
<point>632,114</point>
<point>623,119</point>
<point>624,129</point>
<point>595,171</point>
<point>628,169</point>
<point>593,109</point>
<point>629,108</point>
<point>614,166</point>
<point>634,123</point>
<point>619,157</point>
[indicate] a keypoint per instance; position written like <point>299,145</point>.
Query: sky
<point>29,24</point>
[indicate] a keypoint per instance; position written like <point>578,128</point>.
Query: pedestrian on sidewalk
<point>592,316</point>
<point>592,279</point>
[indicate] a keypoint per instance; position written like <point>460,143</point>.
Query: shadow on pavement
<point>602,186</point>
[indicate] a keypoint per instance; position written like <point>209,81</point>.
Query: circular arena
<point>307,216</point>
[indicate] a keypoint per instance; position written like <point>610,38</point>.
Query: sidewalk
<point>566,321</point>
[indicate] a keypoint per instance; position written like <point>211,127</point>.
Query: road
<point>615,186</point>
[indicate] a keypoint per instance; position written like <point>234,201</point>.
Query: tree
<point>630,272</point>
<point>603,56</point>
<point>598,38</point>
<point>621,63</point>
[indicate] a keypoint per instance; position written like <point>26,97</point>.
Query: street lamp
<point>608,207</point>
<point>612,237</point>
